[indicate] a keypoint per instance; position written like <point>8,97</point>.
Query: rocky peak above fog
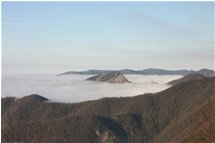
<point>113,77</point>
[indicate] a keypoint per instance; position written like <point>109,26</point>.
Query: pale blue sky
<point>58,36</point>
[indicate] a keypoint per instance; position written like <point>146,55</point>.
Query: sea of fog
<point>74,88</point>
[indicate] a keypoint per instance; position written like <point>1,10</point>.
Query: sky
<point>61,36</point>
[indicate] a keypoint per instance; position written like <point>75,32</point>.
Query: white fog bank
<point>74,88</point>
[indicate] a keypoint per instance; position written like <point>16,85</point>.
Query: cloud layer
<point>74,88</point>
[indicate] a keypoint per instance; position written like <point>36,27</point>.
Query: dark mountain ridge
<point>189,77</point>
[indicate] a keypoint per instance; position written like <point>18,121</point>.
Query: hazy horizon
<point>59,71</point>
<point>43,37</point>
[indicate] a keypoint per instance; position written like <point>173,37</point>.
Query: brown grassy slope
<point>160,117</point>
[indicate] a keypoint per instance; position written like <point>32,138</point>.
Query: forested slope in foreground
<point>184,113</point>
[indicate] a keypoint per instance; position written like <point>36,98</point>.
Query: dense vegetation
<point>184,113</point>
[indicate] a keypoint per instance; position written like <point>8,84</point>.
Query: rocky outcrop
<point>113,77</point>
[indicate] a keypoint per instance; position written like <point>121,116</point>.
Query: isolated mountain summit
<point>113,77</point>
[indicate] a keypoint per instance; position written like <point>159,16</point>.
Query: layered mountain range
<point>183,113</point>
<point>149,71</point>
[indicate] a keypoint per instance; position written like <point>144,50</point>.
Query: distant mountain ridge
<point>149,71</point>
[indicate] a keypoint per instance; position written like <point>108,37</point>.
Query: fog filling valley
<point>75,88</point>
